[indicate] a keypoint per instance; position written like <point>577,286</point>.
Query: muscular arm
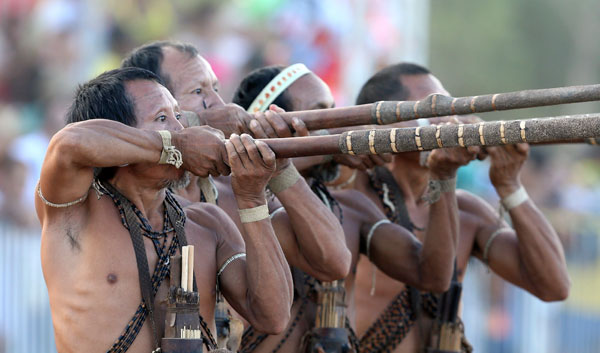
<point>310,234</point>
<point>75,150</point>
<point>427,266</point>
<point>67,171</point>
<point>259,286</point>
<point>530,256</point>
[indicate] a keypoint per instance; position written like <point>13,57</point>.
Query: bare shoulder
<point>182,200</point>
<point>214,219</point>
<point>359,203</point>
<point>475,205</point>
<point>350,195</point>
<point>206,214</point>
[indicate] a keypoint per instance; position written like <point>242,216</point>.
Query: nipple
<point>111,278</point>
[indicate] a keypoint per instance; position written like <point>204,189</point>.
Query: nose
<point>213,99</point>
<point>174,123</point>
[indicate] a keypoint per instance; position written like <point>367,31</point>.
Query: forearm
<point>437,256</point>
<point>105,143</point>
<point>318,233</point>
<point>270,288</point>
<point>540,253</point>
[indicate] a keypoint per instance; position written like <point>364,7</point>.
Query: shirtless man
<point>87,254</point>
<point>310,235</point>
<point>529,255</point>
<point>426,265</point>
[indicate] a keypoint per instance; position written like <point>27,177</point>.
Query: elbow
<point>274,325</point>
<point>559,292</point>
<point>64,143</point>
<point>337,266</point>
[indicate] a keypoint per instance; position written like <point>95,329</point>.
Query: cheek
<point>192,102</point>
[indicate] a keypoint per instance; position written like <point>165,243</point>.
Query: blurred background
<point>47,47</point>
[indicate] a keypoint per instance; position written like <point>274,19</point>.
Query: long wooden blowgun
<point>563,129</point>
<point>388,112</point>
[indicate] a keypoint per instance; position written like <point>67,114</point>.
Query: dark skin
<point>303,243</point>
<point>309,92</point>
<point>87,256</point>
<point>425,264</point>
<point>530,256</point>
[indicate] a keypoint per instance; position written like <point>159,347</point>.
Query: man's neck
<point>146,193</point>
<point>411,177</point>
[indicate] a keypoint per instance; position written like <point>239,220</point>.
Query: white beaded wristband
<point>255,214</point>
<point>515,199</point>
<point>288,177</point>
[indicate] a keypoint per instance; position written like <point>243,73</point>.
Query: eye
<point>216,88</point>
<point>178,116</point>
<point>162,118</point>
<point>197,91</point>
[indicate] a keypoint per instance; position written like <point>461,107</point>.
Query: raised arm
<point>75,150</point>
<point>427,266</point>
<point>310,234</point>
<point>259,288</point>
<point>529,255</point>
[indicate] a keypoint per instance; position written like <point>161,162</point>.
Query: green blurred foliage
<point>479,47</point>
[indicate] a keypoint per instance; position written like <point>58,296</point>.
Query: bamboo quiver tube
<point>435,105</point>
<point>184,267</point>
<point>573,128</point>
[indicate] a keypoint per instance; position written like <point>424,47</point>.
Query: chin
<point>180,183</point>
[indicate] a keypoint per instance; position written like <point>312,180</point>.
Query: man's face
<point>193,81</point>
<point>155,109</point>
<point>419,87</point>
<point>310,92</point>
<point>154,106</point>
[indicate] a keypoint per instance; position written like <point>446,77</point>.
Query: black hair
<point>386,84</point>
<point>244,95</point>
<point>254,82</point>
<point>150,57</point>
<point>105,97</point>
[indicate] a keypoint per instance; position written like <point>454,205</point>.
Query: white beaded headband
<point>276,87</point>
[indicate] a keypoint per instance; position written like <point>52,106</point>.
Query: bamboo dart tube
<point>388,112</point>
<point>184,267</point>
<point>572,128</point>
<point>190,271</point>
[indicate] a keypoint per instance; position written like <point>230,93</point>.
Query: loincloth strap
<point>391,326</point>
<point>394,323</point>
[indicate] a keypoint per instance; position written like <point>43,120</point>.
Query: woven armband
<point>437,187</point>
<point>288,177</point>
<point>169,154</point>
<point>371,232</point>
<point>255,214</point>
<point>515,199</point>
<point>488,243</point>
